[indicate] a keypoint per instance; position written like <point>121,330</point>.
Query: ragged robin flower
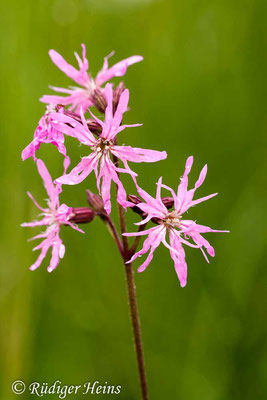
<point>172,223</point>
<point>104,149</point>
<point>83,96</point>
<point>46,133</point>
<point>53,217</point>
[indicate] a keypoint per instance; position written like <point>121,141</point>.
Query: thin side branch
<point>113,231</point>
<point>134,246</point>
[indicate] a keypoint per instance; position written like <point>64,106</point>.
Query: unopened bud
<point>99,100</point>
<point>95,201</point>
<point>117,94</point>
<point>94,126</point>
<point>136,200</point>
<point>156,220</point>
<point>168,202</point>
<point>82,215</point>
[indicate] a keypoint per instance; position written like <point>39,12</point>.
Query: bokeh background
<point>201,90</point>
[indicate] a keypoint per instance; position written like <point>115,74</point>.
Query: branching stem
<point>113,231</point>
<point>125,252</point>
<point>132,296</point>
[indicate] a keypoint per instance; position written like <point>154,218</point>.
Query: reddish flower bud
<point>168,202</point>
<point>95,202</point>
<point>136,200</point>
<point>82,215</point>
<point>99,100</point>
<point>117,94</point>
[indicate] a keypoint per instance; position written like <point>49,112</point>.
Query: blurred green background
<point>201,90</point>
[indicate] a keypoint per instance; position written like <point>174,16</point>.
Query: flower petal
<point>141,233</point>
<point>186,203</point>
<point>35,202</point>
<point>108,173</point>
<point>155,236</point>
<point>79,76</point>
<point>108,92</point>
<point>153,242</point>
<point>69,126</point>
<point>178,258</point>
<point>45,133</point>
<point>79,98</point>
<point>58,251</point>
<point>81,171</point>
<point>52,190</point>
<point>182,188</point>
<point>45,247</point>
<point>200,200</point>
<point>137,155</point>
<point>121,108</point>
<point>118,69</point>
<point>151,205</point>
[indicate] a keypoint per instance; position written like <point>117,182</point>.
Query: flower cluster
<point>66,116</point>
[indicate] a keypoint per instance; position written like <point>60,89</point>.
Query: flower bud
<point>82,215</point>
<point>117,94</point>
<point>136,200</point>
<point>99,100</point>
<point>94,126</point>
<point>95,201</point>
<point>168,202</point>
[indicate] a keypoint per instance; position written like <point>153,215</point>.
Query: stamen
<point>172,220</point>
<point>103,146</point>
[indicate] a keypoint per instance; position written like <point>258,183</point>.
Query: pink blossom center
<point>172,220</point>
<point>103,146</point>
<point>59,216</point>
<point>90,85</point>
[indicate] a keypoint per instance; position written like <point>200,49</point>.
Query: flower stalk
<point>136,329</point>
<point>132,300</point>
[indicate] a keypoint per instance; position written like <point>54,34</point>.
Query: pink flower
<point>46,133</point>
<point>103,147</point>
<point>83,96</point>
<point>53,217</point>
<point>180,230</point>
